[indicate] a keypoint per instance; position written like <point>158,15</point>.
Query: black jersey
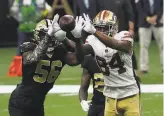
<point>38,78</point>
<point>97,78</point>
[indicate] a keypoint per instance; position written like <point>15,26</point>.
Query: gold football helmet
<point>40,30</point>
<point>106,22</point>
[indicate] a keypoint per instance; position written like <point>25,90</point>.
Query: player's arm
<point>85,82</point>
<point>69,44</point>
<point>83,91</point>
<point>77,57</point>
<point>33,56</point>
<point>122,45</point>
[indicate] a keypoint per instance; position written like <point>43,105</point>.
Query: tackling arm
<point>85,81</point>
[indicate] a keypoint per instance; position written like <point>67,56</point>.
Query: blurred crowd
<point>142,18</point>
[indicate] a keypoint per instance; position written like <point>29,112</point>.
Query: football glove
<point>54,26</point>
<point>55,30</point>
<point>88,26</point>
<point>76,32</point>
<point>85,105</point>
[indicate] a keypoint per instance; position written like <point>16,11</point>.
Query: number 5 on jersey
<point>49,76</point>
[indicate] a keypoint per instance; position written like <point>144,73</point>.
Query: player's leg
<point>19,112</point>
<point>13,111</point>
<point>110,107</point>
<point>145,39</point>
<point>101,112</point>
<point>93,110</point>
<point>132,107</point>
<point>21,107</point>
<point>158,34</point>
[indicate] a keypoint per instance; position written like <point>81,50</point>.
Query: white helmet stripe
<point>102,15</point>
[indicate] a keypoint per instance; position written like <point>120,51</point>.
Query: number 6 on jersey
<point>49,76</point>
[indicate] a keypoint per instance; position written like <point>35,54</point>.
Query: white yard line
<point>145,88</point>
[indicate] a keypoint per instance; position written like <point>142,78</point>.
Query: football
<point>67,23</point>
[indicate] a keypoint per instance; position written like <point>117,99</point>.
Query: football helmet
<point>40,32</point>
<point>106,22</point>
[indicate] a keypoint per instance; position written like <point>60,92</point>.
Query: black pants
<point>96,110</point>
<point>17,107</point>
<point>19,112</point>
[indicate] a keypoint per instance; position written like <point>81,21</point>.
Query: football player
<point>43,59</point>
<point>91,71</point>
<point>113,53</point>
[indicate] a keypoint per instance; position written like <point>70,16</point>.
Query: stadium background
<point>67,103</point>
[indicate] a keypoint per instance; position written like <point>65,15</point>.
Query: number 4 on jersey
<point>114,63</point>
<point>117,63</point>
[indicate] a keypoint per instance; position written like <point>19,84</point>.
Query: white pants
<point>145,35</point>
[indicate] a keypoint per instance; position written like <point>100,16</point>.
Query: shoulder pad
<point>27,46</point>
<point>90,39</point>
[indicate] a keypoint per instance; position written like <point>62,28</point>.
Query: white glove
<point>88,25</point>
<point>55,30</point>
<point>60,35</point>
<point>54,26</point>
<point>85,105</point>
<point>76,32</point>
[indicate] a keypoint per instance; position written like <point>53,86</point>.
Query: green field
<point>57,105</point>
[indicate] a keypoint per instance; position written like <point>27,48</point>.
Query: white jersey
<point>115,65</point>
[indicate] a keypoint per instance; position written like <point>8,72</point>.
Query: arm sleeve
<point>35,55</point>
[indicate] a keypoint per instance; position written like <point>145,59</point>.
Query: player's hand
<point>55,30</point>
<point>76,32</point>
<point>85,105</point>
<point>54,26</point>
<point>88,26</point>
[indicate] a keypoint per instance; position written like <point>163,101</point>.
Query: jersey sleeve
<point>92,42</point>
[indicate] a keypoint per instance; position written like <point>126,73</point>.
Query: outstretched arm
<point>122,45</point>
<point>77,57</point>
<point>33,56</point>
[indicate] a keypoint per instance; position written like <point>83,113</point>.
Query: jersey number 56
<point>43,75</point>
